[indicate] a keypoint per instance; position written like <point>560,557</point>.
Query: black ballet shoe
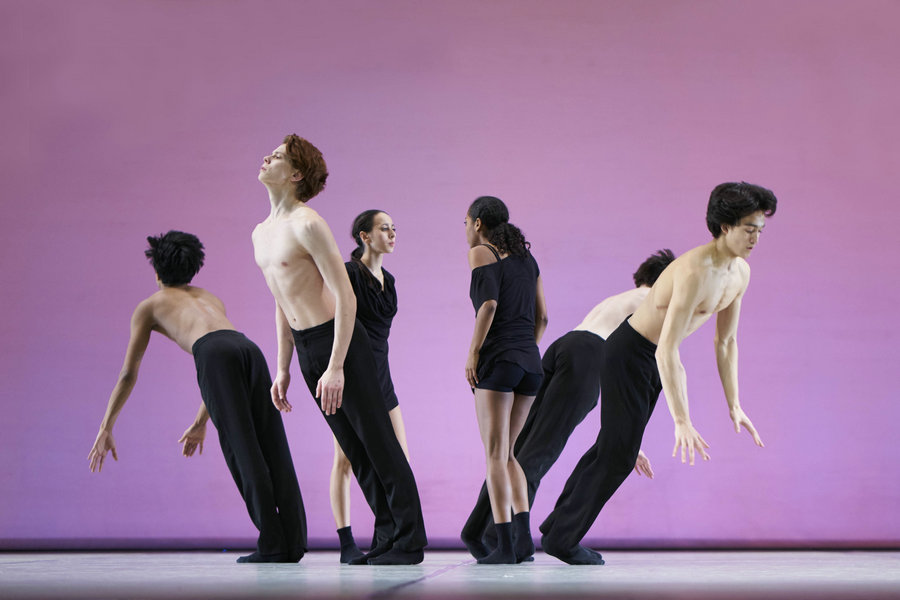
<point>396,556</point>
<point>282,557</point>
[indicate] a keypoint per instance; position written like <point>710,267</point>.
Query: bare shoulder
<point>207,296</point>
<point>309,228</point>
<point>304,217</point>
<point>144,312</point>
<point>480,256</point>
<point>695,264</point>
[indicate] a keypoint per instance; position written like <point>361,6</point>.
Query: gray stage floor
<point>444,575</point>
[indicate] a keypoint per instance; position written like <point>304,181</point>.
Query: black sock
<point>349,549</point>
<point>577,555</point>
<point>504,553</point>
<point>474,545</point>
<point>283,557</point>
<point>396,556</point>
<point>363,559</point>
<point>524,545</point>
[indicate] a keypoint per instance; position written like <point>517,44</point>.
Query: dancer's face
<point>277,168</point>
<point>740,239</point>
<point>383,235</point>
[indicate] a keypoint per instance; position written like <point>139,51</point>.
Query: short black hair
<point>176,256</point>
<point>652,268</point>
<point>731,202</point>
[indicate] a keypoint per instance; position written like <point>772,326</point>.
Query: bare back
<point>711,285</point>
<point>186,313</point>
<point>609,314</point>
<point>284,247</point>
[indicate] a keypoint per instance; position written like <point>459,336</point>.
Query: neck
<point>372,260</point>
<point>721,255</point>
<point>282,200</point>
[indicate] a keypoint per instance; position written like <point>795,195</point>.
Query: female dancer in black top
<point>503,366</point>
<point>376,305</point>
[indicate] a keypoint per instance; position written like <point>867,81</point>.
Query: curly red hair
<point>307,159</point>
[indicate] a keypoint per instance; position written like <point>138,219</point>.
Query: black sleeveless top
<point>512,282</point>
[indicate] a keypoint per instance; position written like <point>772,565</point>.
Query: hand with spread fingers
<point>690,442</point>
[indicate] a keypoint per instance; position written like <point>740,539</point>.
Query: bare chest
<point>721,293</point>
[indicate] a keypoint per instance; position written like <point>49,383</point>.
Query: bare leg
<point>339,492</point>
<point>493,409</point>
<point>523,542</point>
<point>399,429</point>
<point>519,484</point>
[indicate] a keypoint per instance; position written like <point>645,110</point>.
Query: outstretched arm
<point>727,362</point>
<point>317,238</point>
<point>686,296</point>
<point>141,325</point>
<point>195,434</point>
<point>285,353</point>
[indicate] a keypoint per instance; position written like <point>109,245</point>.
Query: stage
<point>694,575</point>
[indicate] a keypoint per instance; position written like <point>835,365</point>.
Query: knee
<point>341,467</point>
<point>495,451</point>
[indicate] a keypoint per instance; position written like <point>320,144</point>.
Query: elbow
<point>488,308</point>
<point>541,320</point>
<point>128,377</point>
<point>724,344</point>
<point>665,358</point>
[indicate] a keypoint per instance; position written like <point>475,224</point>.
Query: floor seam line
<point>388,592</point>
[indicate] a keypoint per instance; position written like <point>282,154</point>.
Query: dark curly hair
<point>500,232</point>
<point>307,159</point>
<point>176,256</point>
<point>731,202</point>
<point>652,268</point>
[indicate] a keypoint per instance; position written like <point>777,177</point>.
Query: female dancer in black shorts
<point>503,366</point>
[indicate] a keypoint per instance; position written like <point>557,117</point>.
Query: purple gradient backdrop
<point>603,125</point>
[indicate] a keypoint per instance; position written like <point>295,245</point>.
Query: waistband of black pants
<point>217,334</point>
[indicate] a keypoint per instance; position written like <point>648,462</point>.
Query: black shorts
<point>510,377</point>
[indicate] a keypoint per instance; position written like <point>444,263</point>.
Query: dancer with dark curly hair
<point>504,364</point>
<point>234,382</point>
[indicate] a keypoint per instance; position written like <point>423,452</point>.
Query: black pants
<point>567,394</point>
<point>364,432</point>
<point>630,385</point>
<point>235,385</point>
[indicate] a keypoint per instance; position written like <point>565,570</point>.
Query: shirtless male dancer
<point>568,393</point>
<point>641,357</point>
<point>315,310</point>
<point>234,383</point>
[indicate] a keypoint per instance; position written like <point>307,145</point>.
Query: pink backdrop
<point>602,124</point>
